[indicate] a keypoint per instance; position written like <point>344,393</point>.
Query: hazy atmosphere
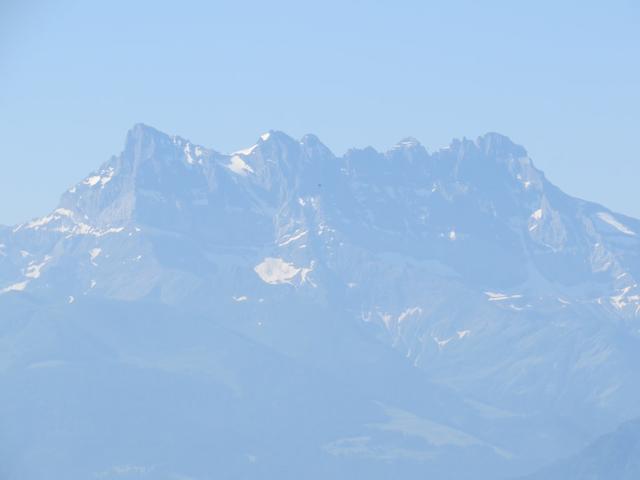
<point>321,241</point>
<point>560,78</point>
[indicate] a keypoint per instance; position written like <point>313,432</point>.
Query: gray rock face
<point>298,313</point>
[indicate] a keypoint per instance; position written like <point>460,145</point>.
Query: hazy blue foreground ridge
<point>282,312</point>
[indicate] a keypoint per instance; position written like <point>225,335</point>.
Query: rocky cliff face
<point>464,271</point>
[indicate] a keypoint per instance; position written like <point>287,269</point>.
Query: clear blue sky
<point>561,78</point>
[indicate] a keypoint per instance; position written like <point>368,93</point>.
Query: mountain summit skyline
<point>451,313</point>
<point>170,173</point>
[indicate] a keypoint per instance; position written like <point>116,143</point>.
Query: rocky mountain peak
<point>460,304</point>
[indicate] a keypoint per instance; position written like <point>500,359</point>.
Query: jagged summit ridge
<point>156,162</point>
<point>393,271</point>
<point>462,205</point>
<point>141,135</point>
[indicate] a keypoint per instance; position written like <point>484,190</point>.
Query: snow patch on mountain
<point>92,181</point>
<point>275,271</point>
<point>408,313</point>
<point>187,154</point>
<point>610,220</point>
<point>292,238</point>
<point>245,151</point>
<point>239,166</point>
<point>34,269</point>
<point>57,214</point>
<point>103,178</point>
<point>537,215</point>
<point>93,254</point>
<point>32,272</point>
<point>16,287</point>
<point>498,297</point>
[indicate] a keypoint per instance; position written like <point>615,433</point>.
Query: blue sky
<point>561,78</point>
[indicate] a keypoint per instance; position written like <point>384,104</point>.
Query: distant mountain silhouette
<point>281,312</point>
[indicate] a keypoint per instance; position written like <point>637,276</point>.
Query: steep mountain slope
<point>116,390</point>
<point>471,308</point>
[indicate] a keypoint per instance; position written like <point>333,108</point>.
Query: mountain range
<point>283,312</point>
